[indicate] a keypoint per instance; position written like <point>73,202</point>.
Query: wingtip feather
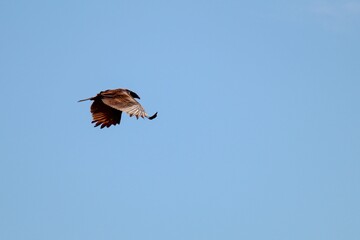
<point>153,116</point>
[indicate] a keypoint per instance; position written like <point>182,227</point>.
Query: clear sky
<point>257,135</point>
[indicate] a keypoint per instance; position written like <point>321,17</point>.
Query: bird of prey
<point>108,106</point>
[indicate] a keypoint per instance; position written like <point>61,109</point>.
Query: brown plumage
<point>108,106</point>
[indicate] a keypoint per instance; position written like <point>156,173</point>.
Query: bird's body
<point>108,106</point>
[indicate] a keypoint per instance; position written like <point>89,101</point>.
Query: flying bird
<point>108,106</point>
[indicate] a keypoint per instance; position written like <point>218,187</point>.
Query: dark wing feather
<point>104,115</point>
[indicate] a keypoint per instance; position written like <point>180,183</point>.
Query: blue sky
<point>257,135</point>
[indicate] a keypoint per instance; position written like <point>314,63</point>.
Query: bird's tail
<point>153,116</point>
<point>86,99</point>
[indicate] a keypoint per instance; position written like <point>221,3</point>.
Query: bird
<point>108,106</point>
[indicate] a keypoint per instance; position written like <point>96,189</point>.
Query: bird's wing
<point>104,115</point>
<point>123,101</point>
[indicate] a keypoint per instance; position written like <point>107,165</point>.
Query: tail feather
<point>86,99</point>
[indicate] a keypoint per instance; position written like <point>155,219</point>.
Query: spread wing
<point>104,115</point>
<point>122,100</point>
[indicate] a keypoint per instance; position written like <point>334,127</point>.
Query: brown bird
<point>108,106</point>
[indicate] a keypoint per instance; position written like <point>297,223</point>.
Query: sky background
<point>257,135</point>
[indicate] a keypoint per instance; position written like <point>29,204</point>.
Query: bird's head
<point>134,95</point>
